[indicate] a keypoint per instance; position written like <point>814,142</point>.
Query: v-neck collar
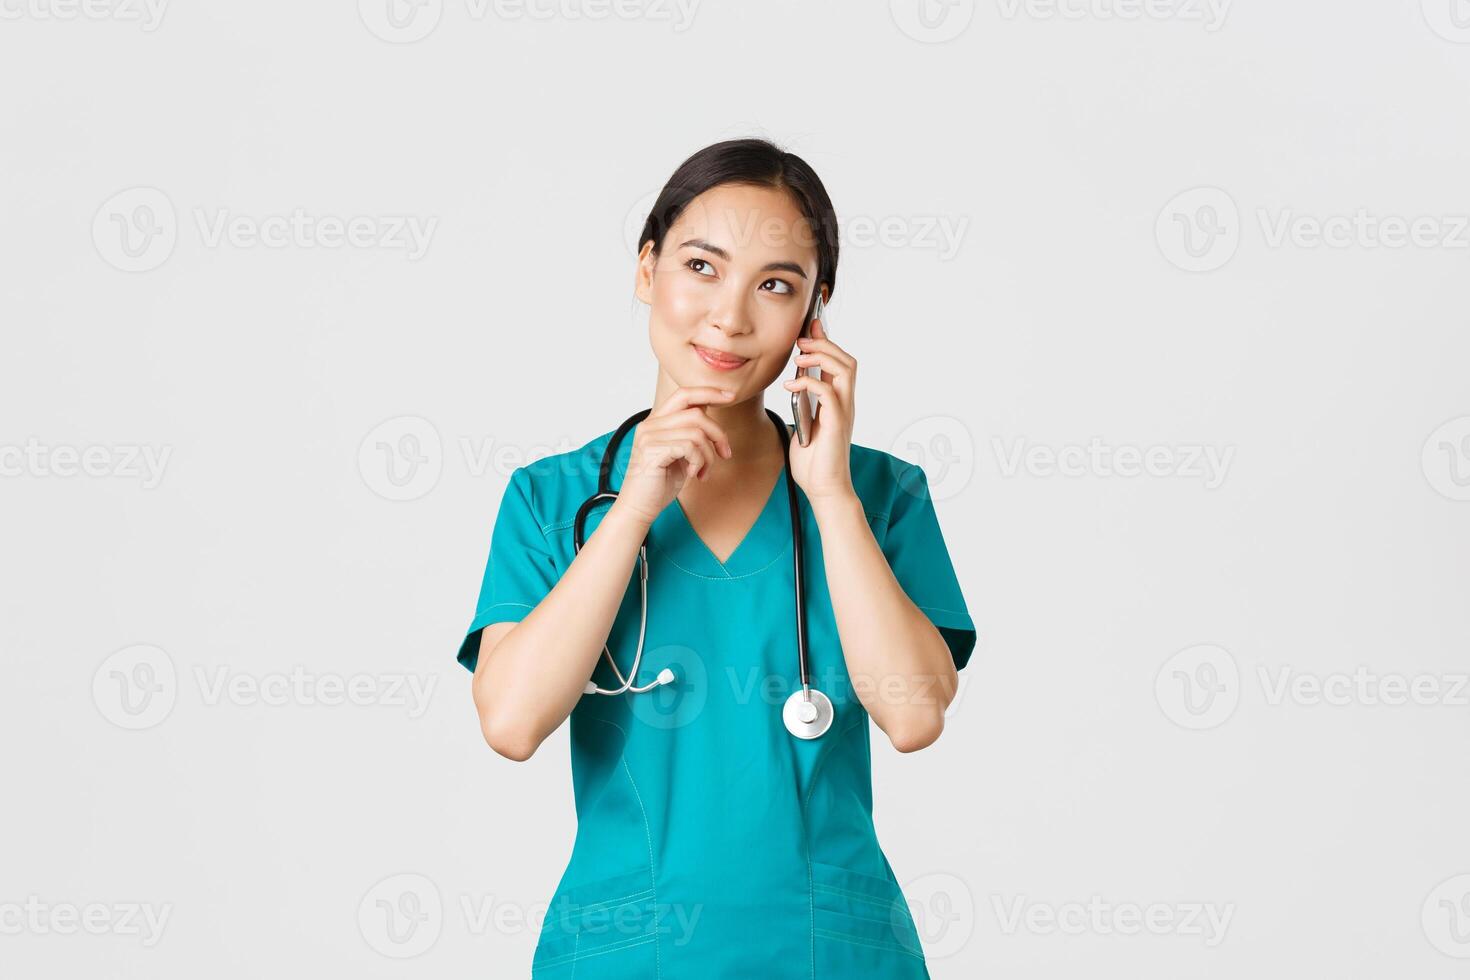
<point>672,533</point>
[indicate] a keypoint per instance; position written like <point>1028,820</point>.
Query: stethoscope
<point>807,712</point>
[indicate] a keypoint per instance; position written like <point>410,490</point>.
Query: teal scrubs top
<point>710,841</point>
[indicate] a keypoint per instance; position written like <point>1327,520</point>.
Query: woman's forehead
<point>743,218</point>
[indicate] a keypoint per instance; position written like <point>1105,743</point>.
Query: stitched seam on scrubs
<point>727,577</point>
<point>631,899</point>
<point>856,897</point>
<point>614,947</point>
<point>647,835</point>
<point>863,941</point>
<point>574,956</point>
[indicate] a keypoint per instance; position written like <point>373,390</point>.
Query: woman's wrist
<point>625,514</point>
<point>827,508</point>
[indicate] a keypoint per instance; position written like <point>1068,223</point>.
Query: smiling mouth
<point>719,359</point>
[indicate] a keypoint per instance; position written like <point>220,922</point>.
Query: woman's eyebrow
<point>791,267</point>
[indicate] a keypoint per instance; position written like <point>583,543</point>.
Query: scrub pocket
<point>603,929</point>
<point>862,927</point>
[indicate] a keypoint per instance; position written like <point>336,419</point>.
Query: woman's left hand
<point>821,467</point>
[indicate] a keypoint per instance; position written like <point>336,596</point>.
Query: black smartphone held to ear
<point>804,407</point>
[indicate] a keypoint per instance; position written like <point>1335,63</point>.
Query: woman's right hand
<point>676,441</point>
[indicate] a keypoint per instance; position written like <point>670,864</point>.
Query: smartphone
<point>804,408</point>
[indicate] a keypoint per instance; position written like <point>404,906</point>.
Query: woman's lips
<point>717,360</point>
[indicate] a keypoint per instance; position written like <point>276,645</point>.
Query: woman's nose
<point>729,313</point>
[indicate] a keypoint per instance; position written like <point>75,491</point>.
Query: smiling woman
<point>731,554</point>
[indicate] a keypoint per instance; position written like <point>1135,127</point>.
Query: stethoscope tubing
<point>605,492</point>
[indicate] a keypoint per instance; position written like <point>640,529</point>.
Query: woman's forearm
<point>532,679</point>
<point>899,663</point>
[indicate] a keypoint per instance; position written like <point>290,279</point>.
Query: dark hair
<point>749,161</point>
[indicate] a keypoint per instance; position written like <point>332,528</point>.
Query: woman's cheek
<point>680,303</point>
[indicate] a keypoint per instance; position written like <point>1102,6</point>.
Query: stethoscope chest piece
<point>807,713</point>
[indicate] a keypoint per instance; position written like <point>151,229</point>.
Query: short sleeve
<point>521,568</point>
<point>920,560</point>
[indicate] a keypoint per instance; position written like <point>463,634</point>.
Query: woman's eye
<point>785,287</point>
<point>695,263</point>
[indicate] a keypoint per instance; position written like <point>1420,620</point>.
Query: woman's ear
<point>643,274</point>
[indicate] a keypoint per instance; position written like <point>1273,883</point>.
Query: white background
<point>1121,739</point>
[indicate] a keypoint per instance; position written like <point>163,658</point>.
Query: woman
<point>712,841</point>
